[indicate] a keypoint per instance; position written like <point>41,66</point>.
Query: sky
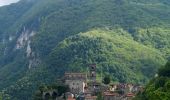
<point>7,2</point>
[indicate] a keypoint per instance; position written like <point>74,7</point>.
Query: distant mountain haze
<point>7,2</point>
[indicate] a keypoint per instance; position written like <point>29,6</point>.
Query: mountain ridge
<point>56,23</point>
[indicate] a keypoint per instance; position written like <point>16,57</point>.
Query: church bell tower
<point>92,69</point>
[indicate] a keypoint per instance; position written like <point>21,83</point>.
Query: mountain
<point>41,39</point>
<point>109,49</point>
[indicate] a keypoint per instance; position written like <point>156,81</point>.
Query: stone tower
<point>92,69</point>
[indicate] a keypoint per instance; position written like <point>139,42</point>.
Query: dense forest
<point>158,88</point>
<point>42,39</point>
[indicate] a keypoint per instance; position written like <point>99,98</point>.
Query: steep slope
<point>114,51</point>
<point>20,22</point>
<point>32,30</point>
<point>79,16</point>
<point>11,14</point>
<point>12,62</point>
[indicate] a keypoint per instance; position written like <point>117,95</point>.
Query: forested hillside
<point>41,39</point>
<point>109,49</point>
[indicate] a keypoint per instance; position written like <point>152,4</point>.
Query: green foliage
<point>58,89</point>
<point>128,39</point>
<point>155,37</point>
<point>30,82</point>
<point>99,96</point>
<point>79,16</point>
<point>157,89</point>
<point>114,51</point>
<point>11,14</point>
<point>106,79</point>
<point>165,71</point>
<point>0,97</point>
<point>160,82</point>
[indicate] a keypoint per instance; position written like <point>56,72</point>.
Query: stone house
<point>76,82</point>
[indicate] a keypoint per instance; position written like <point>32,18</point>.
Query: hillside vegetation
<point>114,51</point>
<point>129,39</point>
<point>159,87</point>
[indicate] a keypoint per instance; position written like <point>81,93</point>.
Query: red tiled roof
<point>70,98</point>
<point>130,95</point>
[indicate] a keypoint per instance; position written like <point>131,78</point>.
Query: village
<point>83,86</point>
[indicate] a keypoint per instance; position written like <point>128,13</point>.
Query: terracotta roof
<point>130,95</point>
<point>70,98</point>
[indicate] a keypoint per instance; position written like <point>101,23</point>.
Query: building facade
<point>76,82</point>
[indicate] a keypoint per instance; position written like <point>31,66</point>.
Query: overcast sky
<point>7,2</point>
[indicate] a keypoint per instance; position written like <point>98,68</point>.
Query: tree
<point>106,79</point>
<point>0,97</point>
<point>99,96</point>
<point>165,71</point>
<point>62,89</point>
<point>57,90</point>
